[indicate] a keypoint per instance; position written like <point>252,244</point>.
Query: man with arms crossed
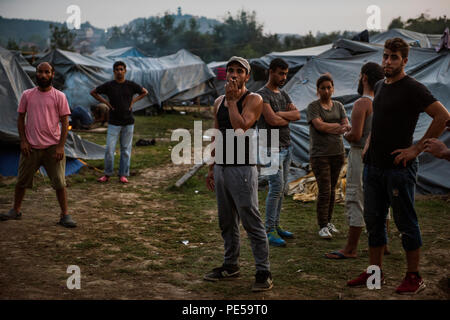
<point>120,93</point>
<point>390,169</point>
<point>42,141</point>
<point>236,184</point>
<point>278,111</point>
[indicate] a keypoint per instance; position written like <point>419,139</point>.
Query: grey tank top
<point>366,130</point>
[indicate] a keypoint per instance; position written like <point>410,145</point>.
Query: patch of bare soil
<point>107,245</point>
<point>120,258</point>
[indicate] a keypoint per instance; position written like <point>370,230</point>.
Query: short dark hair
<point>374,73</point>
<point>119,63</point>
<point>278,63</point>
<point>397,44</point>
<point>323,78</point>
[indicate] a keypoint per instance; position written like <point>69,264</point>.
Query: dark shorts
<point>41,157</point>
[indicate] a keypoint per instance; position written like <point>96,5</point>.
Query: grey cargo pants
<point>236,190</point>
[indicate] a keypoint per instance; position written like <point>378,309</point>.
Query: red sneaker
<point>411,284</point>
<point>361,281</point>
<point>103,179</point>
<point>123,179</point>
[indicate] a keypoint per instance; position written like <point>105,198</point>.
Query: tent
<point>118,53</point>
<point>415,38</point>
<point>163,77</point>
<point>344,61</point>
<point>13,81</point>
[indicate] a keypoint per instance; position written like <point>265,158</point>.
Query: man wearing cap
<point>234,176</point>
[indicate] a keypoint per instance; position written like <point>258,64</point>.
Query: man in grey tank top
<point>361,124</point>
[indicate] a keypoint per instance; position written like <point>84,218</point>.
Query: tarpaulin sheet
<point>163,77</point>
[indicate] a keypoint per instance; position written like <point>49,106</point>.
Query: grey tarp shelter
<point>422,39</point>
<point>163,77</point>
<point>118,52</point>
<point>13,81</point>
<point>344,62</point>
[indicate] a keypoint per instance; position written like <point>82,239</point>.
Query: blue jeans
<point>277,184</point>
<point>396,188</point>
<point>126,139</point>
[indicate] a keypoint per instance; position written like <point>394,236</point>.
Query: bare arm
<point>359,114</point>
<point>333,128</point>
<point>100,98</point>
<point>272,118</point>
<point>59,153</point>
<point>139,97</point>
<point>210,177</point>
<point>440,115</point>
<point>366,146</point>
<point>437,148</point>
<point>291,113</point>
<point>25,146</point>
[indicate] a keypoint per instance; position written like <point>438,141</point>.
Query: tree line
<point>240,34</point>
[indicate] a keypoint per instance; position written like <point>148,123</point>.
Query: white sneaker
<point>325,233</point>
<point>332,228</point>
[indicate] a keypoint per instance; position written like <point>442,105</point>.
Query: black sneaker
<point>223,272</point>
<point>11,215</point>
<point>66,221</point>
<point>263,281</point>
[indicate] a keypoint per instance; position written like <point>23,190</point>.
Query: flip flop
<point>339,256</point>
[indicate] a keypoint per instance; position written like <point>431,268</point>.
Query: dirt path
<point>118,252</point>
<point>35,252</point>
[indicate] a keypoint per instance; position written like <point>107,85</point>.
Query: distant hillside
<point>37,32</point>
<point>21,31</point>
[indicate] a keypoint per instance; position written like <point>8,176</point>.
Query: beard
<point>44,83</point>
<point>393,73</point>
<point>360,87</point>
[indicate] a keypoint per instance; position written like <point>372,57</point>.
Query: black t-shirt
<point>396,109</point>
<point>120,96</point>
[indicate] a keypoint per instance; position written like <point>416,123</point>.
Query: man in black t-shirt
<point>390,170</point>
<point>120,94</point>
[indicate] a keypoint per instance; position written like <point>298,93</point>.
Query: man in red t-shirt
<point>42,140</point>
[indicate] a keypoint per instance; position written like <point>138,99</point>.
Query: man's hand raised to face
<point>232,91</point>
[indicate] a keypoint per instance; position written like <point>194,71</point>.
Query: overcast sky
<point>280,16</point>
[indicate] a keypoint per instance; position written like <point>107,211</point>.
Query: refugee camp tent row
<point>344,62</point>
<point>13,81</point>
<point>297,58</point>
<point>163,77</point>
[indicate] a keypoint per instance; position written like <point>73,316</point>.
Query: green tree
<point>12,45</point>
<point>61,37</point>
<point>425,24</point>
<point>396,23</point>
